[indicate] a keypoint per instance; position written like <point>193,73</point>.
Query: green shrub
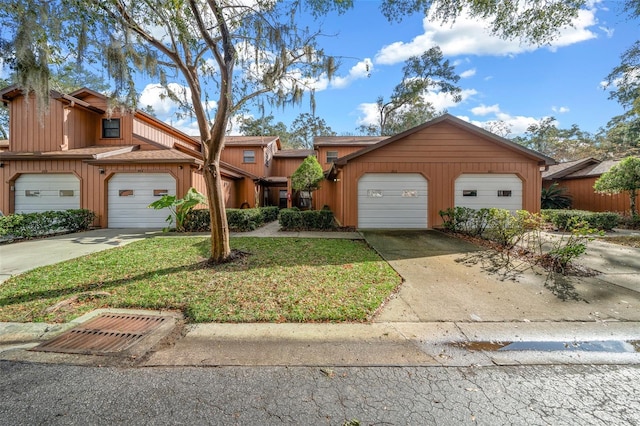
<point>29,225</point>
<point>243,220</point>
<point>563,219</point>
<point>630,222</point>
<point>239,220</point>
<point>197,221</point>
<point>269,214</point>
<point>554,197</point>
<point>311,220</point>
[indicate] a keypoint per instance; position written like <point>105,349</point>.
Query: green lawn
<point>279,279</point>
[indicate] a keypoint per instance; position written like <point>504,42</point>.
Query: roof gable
<point>465,126</point>
<point>558,171</point>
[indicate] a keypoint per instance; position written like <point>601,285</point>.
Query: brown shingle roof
<point>557,171</point>
<point>92,152</point>
<point>594,169</point>
<point>347,140</point>
<point>250,140</point>
<point>294,153</point>
<point>147,156</point>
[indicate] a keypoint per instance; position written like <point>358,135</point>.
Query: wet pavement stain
<point>611,346</point>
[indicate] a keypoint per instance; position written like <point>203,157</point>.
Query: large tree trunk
<point>220,247</point>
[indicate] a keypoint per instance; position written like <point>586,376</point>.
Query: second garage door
<point>129,195</point>
<point>476,191</point>
<point>392,200</point>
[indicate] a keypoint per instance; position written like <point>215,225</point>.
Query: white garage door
<point>392,200</point>
<point>476,191</point>
<point>43,192</point>
<point>129,195</point>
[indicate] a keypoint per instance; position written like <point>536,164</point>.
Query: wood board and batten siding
<point>441,152</point>
<point>584,197</point>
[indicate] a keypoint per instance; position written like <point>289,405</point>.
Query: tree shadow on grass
<point>56,293</point>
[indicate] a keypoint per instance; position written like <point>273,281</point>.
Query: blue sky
<point>502,80</point>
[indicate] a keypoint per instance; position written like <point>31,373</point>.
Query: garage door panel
<point>502,191</point>
<point>129,194</point>
<point>45,192</point>
<point>392,200</point>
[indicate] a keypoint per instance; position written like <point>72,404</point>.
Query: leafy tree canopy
<point>264,126</point>
<point>623,177</point>
<point>406,107</point>
<point>305,127</point>
<point>560,144</point>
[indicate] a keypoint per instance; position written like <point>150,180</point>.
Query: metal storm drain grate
<point>103,335</point>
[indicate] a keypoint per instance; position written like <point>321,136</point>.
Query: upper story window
<point>332,156</point>
<point>110,128</point>
<point>248,156</point>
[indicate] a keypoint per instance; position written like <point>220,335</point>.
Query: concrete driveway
<point>445,281</point>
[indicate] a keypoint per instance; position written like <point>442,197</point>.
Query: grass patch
<point>627,240</point>
<point>279,280</point>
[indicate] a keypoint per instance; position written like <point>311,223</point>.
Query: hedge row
<point>563,219</point>
<point>239,220</point>
<point>29,225</point>
<point>294,219</point>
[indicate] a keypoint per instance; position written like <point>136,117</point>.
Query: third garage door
<point>392,201</point>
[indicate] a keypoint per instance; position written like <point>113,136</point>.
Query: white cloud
<point>370,114</point>
<point>607,31</point>
<point>470,36</point>
<point>155,95</point>
<point>517,124</point>
<point>360,70</point>
<point>560,110</point>
<point>485,110</point>
<point>468,73</point>
<point>442,101</point>
<point>165,108</point>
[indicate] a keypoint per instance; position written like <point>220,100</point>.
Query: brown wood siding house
<point>438,155</point>
<point>578,177</point>
<point>81,155</point>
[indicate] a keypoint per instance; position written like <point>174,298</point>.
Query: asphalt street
<point>525,395</point>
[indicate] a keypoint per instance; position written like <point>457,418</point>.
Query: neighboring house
<point>578,177</point>
<point>82,155</point>
<point>4,145</point>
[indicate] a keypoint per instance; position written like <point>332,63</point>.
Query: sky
<point>500,80</point>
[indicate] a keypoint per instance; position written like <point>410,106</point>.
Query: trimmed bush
<point>562,219</point>
<point>309,220</point>
<point>197,221</point>
<point>30,225</point>
<point>269,214</point>
<point>243,220</point>
<point>239,220</point>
